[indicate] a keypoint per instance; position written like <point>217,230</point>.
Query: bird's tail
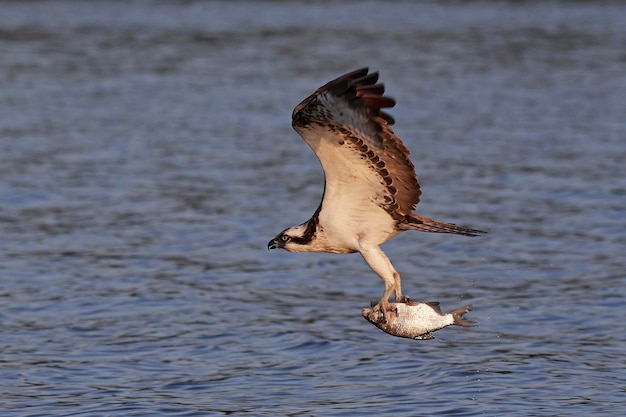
<point>424,224</point>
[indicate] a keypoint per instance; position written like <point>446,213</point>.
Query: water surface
<point>146,158</point>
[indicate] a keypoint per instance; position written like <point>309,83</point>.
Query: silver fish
<point>415,320</point>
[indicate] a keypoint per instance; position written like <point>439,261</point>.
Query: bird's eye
<point>285,238</point>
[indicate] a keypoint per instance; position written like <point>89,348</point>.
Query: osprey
<point>370,188</point>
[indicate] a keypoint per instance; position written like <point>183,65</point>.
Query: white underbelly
<point>347,230</point>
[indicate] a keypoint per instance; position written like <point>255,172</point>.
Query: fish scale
<point>416,320</point>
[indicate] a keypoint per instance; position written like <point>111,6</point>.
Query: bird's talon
<point>379,312</point>
<point>403,299</point>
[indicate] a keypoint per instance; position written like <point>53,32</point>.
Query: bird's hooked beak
<point>272,244</point>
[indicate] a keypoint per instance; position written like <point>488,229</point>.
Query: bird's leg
<point>398,290</point>
<point>378,261</point>
<point>383,303</point>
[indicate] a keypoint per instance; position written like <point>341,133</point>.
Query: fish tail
<point>459,320</point>
<point>424,224</point>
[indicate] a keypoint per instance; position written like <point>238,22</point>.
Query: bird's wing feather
<point>363,160</point>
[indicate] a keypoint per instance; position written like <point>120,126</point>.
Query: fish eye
<point>285,238</point>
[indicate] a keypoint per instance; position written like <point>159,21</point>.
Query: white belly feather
<point>351,213</point>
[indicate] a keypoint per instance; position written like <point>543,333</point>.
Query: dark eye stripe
<point>304,240</point>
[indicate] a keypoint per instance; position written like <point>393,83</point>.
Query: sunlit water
<point>146,158</point>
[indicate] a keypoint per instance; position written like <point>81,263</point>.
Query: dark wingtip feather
<point>378,102</point>
<point>368,79</point>
<point>387,118</point>
<point>374,89</point>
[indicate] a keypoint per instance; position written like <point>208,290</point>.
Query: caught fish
<point>415,320</point>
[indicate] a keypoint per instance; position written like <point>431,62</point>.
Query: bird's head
<point>293,239</point>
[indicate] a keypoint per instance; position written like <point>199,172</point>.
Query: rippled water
<point>146,158</point>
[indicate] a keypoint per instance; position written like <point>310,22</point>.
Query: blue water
<point>146,158</point>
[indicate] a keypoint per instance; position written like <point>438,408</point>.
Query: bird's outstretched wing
<point>364,162</point>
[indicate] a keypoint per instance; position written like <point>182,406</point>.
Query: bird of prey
<point>370,188</point>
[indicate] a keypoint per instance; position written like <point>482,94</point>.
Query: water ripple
<point>146,158</point>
